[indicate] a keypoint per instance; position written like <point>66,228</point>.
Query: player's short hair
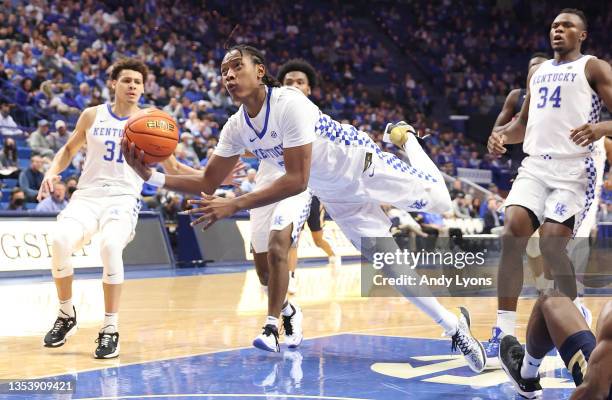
<point>298,64</point>
<point>538,55</point>
<point>131,64</point>
<point>258,58</point>
<point>577,12</point>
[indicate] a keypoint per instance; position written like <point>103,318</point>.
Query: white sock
<point>271,321</point>
<point>66,308</point>
<point>530,366</point>
<point>288,310</point>
<point>506,321</point>
<point>430,306</point>
<point>111,322</point>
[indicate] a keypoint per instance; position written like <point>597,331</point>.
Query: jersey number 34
<point>555,97</point>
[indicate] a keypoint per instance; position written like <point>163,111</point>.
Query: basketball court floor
<point>188,333</point>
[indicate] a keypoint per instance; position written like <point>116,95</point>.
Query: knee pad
<point>66,239</point>
<point>114,238</point>
<point>112,261</point>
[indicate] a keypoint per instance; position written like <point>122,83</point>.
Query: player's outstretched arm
<point>217,170</point>
<point>67,152</point>
<point>598,379</point>
<point>297,172</point>
<point>173,167</point>
<point>599,74</point>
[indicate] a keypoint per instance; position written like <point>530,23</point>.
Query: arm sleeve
<point>298,120</point>
<point>230,141</point>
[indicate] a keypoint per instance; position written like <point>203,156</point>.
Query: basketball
<point>153,131</point>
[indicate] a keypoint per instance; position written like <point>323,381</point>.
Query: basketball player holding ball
<point>107,199</point>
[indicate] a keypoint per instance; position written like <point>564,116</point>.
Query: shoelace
<point>287,325</point>
<point>494,338</point>
<point>59,323</point>
<point>461,342</point>
<point>104,340</point>
<point>268,330</point>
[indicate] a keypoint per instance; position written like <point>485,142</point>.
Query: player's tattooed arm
<point>599,75</point>
<point>67,152</point>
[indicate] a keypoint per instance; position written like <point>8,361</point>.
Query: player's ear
<point>261,71</point>
<point>583,36</point>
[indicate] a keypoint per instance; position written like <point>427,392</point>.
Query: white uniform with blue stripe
<point>276,216</point>
<point>108,188</point>
<point>349,173</point>
<point>557,179</point>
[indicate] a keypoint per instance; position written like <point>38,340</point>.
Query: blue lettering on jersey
<point>274,152</point>
<point>107,132</point>
<point>556,77</point>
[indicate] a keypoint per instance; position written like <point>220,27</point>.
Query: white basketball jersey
<point>338,150</point>
<point>561,99</point>
<point>104,164</point>
<point>266,174</point>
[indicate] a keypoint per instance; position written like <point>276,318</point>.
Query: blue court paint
<point>338,367</point>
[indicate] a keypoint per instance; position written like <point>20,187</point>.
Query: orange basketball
<point>153,131</point>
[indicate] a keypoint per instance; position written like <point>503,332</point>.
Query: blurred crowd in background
<point>413,62</point>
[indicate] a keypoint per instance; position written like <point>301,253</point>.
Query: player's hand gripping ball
<point>154,132</point>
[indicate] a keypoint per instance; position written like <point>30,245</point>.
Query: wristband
<point>157,179</point>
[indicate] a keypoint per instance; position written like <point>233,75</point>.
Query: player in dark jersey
<point>556,322</point>
<point>511,108</point>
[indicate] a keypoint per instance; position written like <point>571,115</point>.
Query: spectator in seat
<point>475,207</point>
<point>17,200</point>
<point>8,157</point>
<point>84,97</point>
<point>456,189</point>
<point>460,208</point>
<point>71,186</point>
<point>39,140</point>
<point>48,98</point>
<point>31,178</point>
<point>8,126</point>
<point>60,136</point>
<point>56,202</point>
<point>492,222</point>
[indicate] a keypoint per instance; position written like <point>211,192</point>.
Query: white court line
<point>280,396</point>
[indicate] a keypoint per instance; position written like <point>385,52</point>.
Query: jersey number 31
<point>110,152</point>
<point>555,97</point>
